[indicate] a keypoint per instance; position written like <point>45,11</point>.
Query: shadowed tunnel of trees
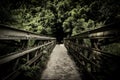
<point>59,34</point>
<point>59,18</point>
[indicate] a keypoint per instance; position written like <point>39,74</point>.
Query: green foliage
<point>58,18</point>
<point>29,71</point>
<point>47,16</point>
<point>112,48</point>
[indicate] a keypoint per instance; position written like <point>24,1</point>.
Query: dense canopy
<point>59,18</point>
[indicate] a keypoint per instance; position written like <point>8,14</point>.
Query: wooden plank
<point>12,56</point>
<point>9,33</point>
<point>108,31</point>
<point>93,49</point>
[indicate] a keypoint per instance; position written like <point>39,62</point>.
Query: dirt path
<point>60,66</point>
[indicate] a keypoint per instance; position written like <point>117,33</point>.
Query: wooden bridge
<point>24,53</point>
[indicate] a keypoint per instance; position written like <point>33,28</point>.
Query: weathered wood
<point>107,31</point>
<point>15,55</point>
<point>9,33</point>
<point>20,39</point>
<point>97,62</point>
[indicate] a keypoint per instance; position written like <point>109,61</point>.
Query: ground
<point>60,66</point>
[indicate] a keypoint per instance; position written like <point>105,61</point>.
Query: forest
<point>59,18</point>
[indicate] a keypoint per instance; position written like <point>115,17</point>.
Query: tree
<point>58,18</point>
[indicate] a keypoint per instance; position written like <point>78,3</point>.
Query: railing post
<point>26,53</point>
<point>95,55</point>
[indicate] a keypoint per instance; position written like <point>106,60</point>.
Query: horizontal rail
<point>5,59</point>
<point>93,49</point>
<point>86,59</point>
<point>40,54</point>
<point>16,72</point>
<point>108,31</point>
<point>10,33</point>
<point>86,49</point>
<point>33,59</point>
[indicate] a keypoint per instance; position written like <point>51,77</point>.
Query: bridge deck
<point>60,66</point>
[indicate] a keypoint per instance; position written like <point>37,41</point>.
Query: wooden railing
<point>86,49</point>
<point>20,48</point>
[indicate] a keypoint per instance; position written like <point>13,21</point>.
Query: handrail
<point>93,49</point>
<point>90,54</point>
<point>107,31</point>
<point>8,58</point>
<point>11,33</point>
<point>27,43</point>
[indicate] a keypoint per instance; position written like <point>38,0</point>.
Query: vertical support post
<point>16,64</point>
<point>37,51</point>
<point>95,55</point>
<point>23,45</point>
<point>27,46</point>
<point>28,57</point>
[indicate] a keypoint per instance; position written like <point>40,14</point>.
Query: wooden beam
<point>12,56</point>
<point>9,33</point>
